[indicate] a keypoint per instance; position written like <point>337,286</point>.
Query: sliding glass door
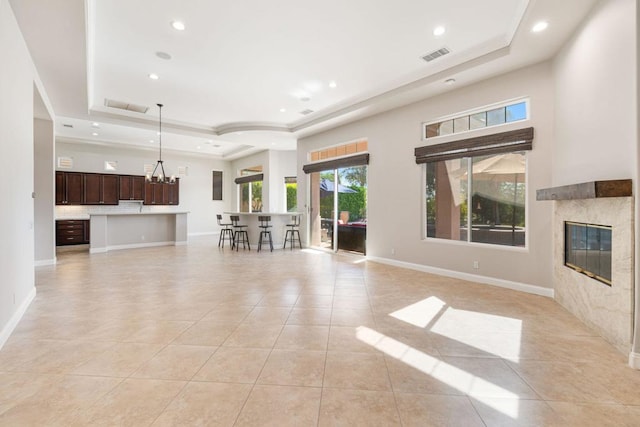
<point>339,209</point>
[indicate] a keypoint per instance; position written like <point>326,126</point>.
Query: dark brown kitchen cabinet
<point>162,193</point>
<point>69,188</point>
<point>72,232</point>
<point>131,187</point>
<point>101,189</point>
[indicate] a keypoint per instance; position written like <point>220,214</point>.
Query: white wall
<point>281,165</point>
<point>595,85</point>
<point>596,79</point>
<point>396,188</point>
<point>44,224</point>
<point>17,79</point>
<point>258,159</point>
<point>196,190</point>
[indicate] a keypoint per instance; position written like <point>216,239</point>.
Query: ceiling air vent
<point>125,106</point>
<point>436,54</point>
<point>67,125</point>
<point>305,112</point>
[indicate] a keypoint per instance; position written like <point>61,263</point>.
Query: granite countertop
<point>138,213</point>
<point>264,213</point>
<point>71,217</point>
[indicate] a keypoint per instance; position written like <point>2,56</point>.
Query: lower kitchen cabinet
<point>72,232</point>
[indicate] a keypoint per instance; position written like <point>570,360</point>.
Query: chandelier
<point>162,176</point>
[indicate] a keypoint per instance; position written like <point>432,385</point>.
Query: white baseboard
<point>508,284</point>
<point>13,321</point>
<point>634,360</point>
<point>131,246</point>
<point>44,262</point>
<point>206,233</point>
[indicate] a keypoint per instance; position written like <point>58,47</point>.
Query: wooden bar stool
<point>226,232</point>
<point>240,234</point>
<point>265,226</point>
<point>293,232</point>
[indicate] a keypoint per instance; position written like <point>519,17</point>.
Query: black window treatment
<point>249,178</point>
<point>342,162</point>
<point>504,142</point>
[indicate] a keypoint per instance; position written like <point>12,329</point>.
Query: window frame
<point>468,243</point>
<point>468,113</point>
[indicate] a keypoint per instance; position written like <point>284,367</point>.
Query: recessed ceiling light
<point>151,141</point>
<point>540,26</point>
<point>449,82</point>
<point>163,55</point>
<point>154,76</point>
<point>178,25</point>
<point>95,134</point>
<point>198,147</point>
<point>438,31</point>
<point>283,110</point>
<point>95,125</point>
<point>332,84</point>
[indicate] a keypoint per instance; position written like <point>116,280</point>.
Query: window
<point>250,189</point>
<point>476,188</point>
<point>477,199</point>
<point>217,185</point>
<point>339,150</point>
<point>291,191</point>
<point>511,112</point>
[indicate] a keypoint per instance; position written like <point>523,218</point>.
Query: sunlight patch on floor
<point>421,313</point>
<point>480,389</point>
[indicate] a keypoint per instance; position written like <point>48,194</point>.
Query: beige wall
<point>396,188</point>
<point>17,80</point>
<point>44,224</point>
<point>275,166</point>
<point>596,77</point>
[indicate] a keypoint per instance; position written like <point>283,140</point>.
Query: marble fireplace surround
<point>609,310</point>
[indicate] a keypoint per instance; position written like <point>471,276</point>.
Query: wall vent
<point>436,54</point>
<point>305,112</point>
<point>65,162</point>
<point>125,106</point>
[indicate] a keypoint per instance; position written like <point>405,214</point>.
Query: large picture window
<point>476,188</point>
<point>477,199</point>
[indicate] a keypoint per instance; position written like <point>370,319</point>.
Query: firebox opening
<point>587,250</point>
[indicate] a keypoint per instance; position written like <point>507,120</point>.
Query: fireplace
<point>593,267</point>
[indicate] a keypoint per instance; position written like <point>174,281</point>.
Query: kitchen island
<point>279,221</point>
<point>127,230</point>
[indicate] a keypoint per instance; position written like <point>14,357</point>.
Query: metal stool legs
<point>265,232</point>
<point>291,236</point>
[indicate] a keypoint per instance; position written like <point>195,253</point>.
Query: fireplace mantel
<point>587,190</point>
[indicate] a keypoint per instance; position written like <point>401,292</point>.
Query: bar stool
<point>292,232</point>
<point>265,226</point>
<point>225,232</point>
<point>239,231</point>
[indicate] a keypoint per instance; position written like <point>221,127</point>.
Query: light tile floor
<point>195,335</point>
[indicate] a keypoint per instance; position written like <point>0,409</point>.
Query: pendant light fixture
<point>161,177</point>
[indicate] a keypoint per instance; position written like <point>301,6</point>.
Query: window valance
<point>504,142</point>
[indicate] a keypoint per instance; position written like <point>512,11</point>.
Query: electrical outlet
<point>142,237</point>
<point>476,265</point>
<point>393,251</point>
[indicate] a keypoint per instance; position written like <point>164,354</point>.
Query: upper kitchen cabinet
<point>131,187</point>
<point>161,193</point>
<point>69,188</point>
<point>101,189</point>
